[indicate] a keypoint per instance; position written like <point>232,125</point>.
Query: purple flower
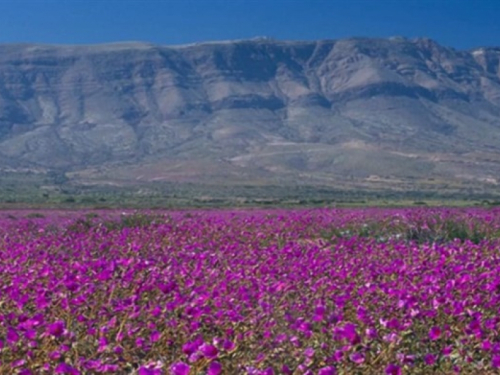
<point>64,368</point>
<point>495,361</point>
<point>295,341</point>
<point>209,351</point>
<point>56,329</point>
<point>154,336</point>
<point>55,355</point>
<point>320,310</point>
<point>435,333</point>
<point>350,333</point>
<point>391,337</point>
<point>430,359</point>
<point>12,336</point>
<point>357,358</point>
<point>190,347</point>
<point>179,368</point>
<point>447,350</point>
<point>18,363</point>
<point>338,356</point>
<point>92,364</point>
<point>393,369</point>
<point>371,333</point>
<point>228,345</point>
<point>148,371</point>
<point>267,371</point>
<point>195,357</point>
<point>486,345</point>
<point>329,370</point>
<point>309,352</point>
<point>139,342</point>
<point>109,368</point>
<point>103,344</point>
<point>215,368</point>
<point>118,350</point>
<point>30,334</point>
<point>393,324</point>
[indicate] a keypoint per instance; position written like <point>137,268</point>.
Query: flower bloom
<point>56,329</point>
<point>209,351</point>
<point>435,333</point>
<point>64,368</point>
<point>393,369</point>
<point>180,368</point>
<point>430,359</point>
<point>228,345</point>
<point>495,361</point>
<point>215,368</point>
<point>327,371</point>
<point>357,358</point>
<point>148,371</point>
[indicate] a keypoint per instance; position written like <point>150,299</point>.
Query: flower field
<point>323,291</point>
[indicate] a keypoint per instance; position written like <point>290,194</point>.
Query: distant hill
<point>365,110</point>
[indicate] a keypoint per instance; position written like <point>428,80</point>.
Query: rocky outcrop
<point>281,107</point>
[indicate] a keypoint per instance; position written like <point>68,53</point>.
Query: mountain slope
<point>253,110</point>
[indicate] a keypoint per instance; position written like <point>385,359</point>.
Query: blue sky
<point>457,23</point>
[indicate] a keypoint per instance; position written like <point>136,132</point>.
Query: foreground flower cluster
<point>250,292</point>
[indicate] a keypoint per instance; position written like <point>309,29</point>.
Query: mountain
<point>256,110</point>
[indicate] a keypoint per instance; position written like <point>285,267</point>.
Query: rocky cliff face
<point>360,107</point>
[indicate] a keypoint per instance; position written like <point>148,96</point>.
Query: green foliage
<point>35,215</point>
<point>133,220</point>
<point>432,229</point>
<point>420,203</point>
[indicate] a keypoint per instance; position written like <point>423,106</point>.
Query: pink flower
<point>215,368</point>
<point>393,369</point>
<point>430,359</point>
<point>209,351</point>
<point>435,333</point>
<point>495,361</point>
<point>154,336</point>
<point>371,333</point>
<point>319,313</point>
<point>309,352</point>
<point>180,368</point>
<point>55,355</point>
<point>327,371</point>
<point>12,336</point>
<point>267,371</point>
<point>64,368</point>
<point>195,357</point>
<point>190,347</point>
<point>56,329</point>
<point>486,345</point>
<point>357,358</point>
<point>228,345</point>
<point>338,356</point>
<point>148,371</point>
<point>18,363</point>
<point>447,350</point>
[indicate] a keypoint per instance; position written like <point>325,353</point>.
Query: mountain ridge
<point>253,109</point>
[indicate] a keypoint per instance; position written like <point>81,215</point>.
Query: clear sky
<point>457,23</point>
